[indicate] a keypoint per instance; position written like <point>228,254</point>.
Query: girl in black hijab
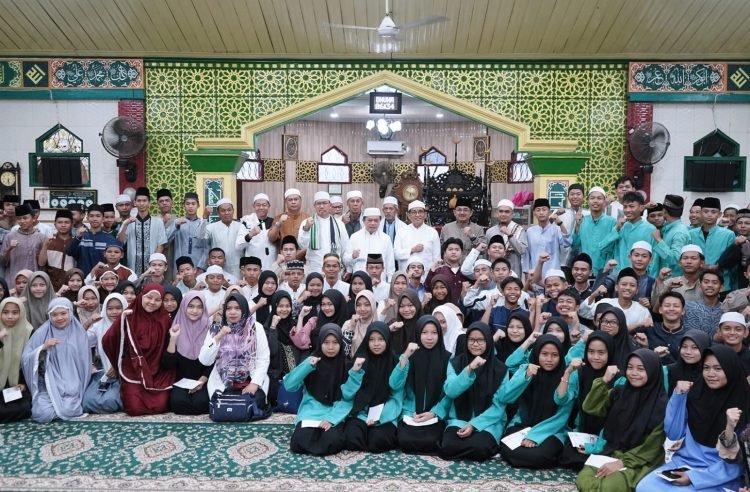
<point>538,409</point>
<point>440,292</point>
<point>613,322</point>
<point>518,330</point>
<point>575,386</point>
<point>404,326</point>
<point>277,327</point>
<point>332,310</point>
<point>421,374</point>
<point>4,291</point>
<point>321,375</point>
<point>373,364</point>
<point>172,305</point>
<point>688,366</point>
<point>311,297</point>
<point>633,427</point>
<point>268,282</point>
<point>697,412</point>
<point>360,281</point>
<point>475,379</point>
<point>558,327</point>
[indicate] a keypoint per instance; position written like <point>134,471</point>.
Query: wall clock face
<point>8,178</point>
<point>410,193</point>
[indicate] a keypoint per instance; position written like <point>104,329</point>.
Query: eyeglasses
<point>476,341</point>
<point>609,322</point>
<point>417,211</point>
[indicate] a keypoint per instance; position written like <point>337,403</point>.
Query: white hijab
<point>455,329</point>
<point>97,331</point>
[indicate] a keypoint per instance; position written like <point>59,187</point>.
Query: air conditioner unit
<point>386,147</point>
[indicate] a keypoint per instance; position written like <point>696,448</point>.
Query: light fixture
<point>370,124</point>
<point>439,115</point>
<point>382,126</point>
<point>334,115</point>
<point>385,127</point>
<point>395,126</point>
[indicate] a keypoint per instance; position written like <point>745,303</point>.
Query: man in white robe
<point>223,234</point>
<point>322,233</point>
<point>254,239</point>
<point>370,240</point>
<point>417,238</point>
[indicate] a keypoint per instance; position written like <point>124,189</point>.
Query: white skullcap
<point>261,196</point>
<point>214,270</point>
<point>598,189</point>
<point>641,245</point>
<point>733,317</point>
<point>336,199</point>
<point>124,198</point>
<point>292,191</point>
<point>224,201</point>
<point>416,204</point>
<point>354,194</point>
<point>482,262</point>
<point>691,248</point>
<point>505,203</point>
<point>390,200</point>
<point>554,272</point>
<point>414,259</point>
<point>371,212</point>
<point>157,257</point>
<point>321,196</point>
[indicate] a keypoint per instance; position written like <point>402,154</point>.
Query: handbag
<point>287,401</point>
<point>234,406</point>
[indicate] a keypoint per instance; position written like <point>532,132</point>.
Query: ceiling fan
<point>388,28</point>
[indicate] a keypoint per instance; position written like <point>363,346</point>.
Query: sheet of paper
<point>514,440</point>
<point>410,421</point>
<point>581,438</point>
<point>599,460</point>
<point>12,394</point>
<point>374,413</point>
<point>186,383</point>
<point>310,423</point>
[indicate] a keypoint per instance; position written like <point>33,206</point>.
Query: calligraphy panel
<point>678,77</point>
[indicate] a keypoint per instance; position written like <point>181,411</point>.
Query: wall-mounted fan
<point>124,138</point>
<point>388,28</point>
<point>382,174</point>
<point>649,143</point>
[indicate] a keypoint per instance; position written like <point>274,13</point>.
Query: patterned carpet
<point>171,452</point>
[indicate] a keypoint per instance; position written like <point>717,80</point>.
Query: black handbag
<point>234,406</point>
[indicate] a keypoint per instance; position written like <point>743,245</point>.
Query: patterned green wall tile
<point>431,78</point>
<point>198,82</point>
<point>537,113</point>
<point>232,113</point>
<point>463,83</point>
<point>307,82</point>
<point>164,149</point>
<point>608,116</point>
<point>505,107</point>
<point>267,105</point>
<point>163,114</point>
<point>570,117</point>
<point>234,83</point>
<point>163,82</point>
<point>575,84</point>
<point>608,84</point>
<point>270,82</point>
<point>500,83</point>
<point>537,83</point>
<point>339,78</point>
<point>199,113</point>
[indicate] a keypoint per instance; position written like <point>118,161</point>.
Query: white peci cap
<point>261,196</point>
<point>371,212</point>
<point>321,196</point>
<point>642,245</point>
<point>291,192</point>
<point>416,204</point>
<point>505,203</point>
<point>354,194</point>
<point>390,200</point>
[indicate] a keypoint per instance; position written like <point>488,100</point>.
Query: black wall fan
<point>649,143</point>
<point>124,138</point>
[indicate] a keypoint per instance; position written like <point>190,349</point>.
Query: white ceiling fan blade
<point>423,22</point>
<point>348,26</point>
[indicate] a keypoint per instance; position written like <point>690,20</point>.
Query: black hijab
<point>427,368</point>
<point>351,307</point>
<point>313,301</point>
<point>706,407</point>
<point>478,397</point>
<point>262,314</point>
<point>324,383</point>
<point>505,346</point>
<point>433,302</point>
<point>407,333</point>
<point>635,412</point>
<point>623,345</point>
<point>285,324</point>
<point>123,284</point>
<point>538,399</point>
<point>586,376</point>
<point>6,292</point>
<point>339,314</point>
<point>681,370</point>
<point>177,294</point>
<point>557,320</point>
<point>375,388</point>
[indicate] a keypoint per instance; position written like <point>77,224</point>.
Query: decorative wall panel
<point>188,99</point>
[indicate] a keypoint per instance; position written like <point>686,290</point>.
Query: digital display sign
<point>385,102</point>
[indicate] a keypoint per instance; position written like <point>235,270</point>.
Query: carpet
<point>169,452</point>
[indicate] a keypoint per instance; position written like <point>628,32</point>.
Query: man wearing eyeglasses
<point>417,238</point>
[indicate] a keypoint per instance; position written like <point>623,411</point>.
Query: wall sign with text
<point>71,74</point>
<point>689,77</point>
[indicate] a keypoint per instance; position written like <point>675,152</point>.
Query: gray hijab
<point>36,311</point>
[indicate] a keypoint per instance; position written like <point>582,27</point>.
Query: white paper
<point>186,383</point>
<point>668,479</point>
<point>410,421</point>
<point>310,423</point>
<point>671,447</point>
<point>374,413</point>
<point>581,438</point>
<point>599,460</point>
<point>514,440</point>
<point>12,394</point>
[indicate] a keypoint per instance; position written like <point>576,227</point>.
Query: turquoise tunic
<point>521,356</point>
<point>555,426</point>
<point>493,419</point>
<point>590,236</point>
<point>310,408</point>
<point>667,251</point>
<point>392,408</point>
<point>398,381</point>
<point>709,472</point>
<point>623,240</point>
<point>718,240</point>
